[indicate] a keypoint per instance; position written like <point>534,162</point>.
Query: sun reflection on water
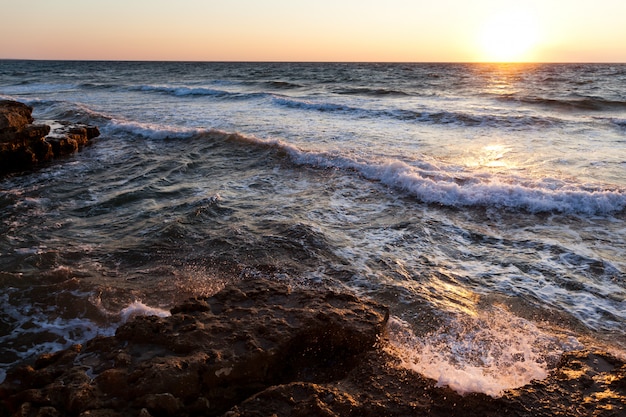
<point>490,156</point>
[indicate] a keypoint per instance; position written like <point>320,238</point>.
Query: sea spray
<point>490,353</point>
<point>137,308</point>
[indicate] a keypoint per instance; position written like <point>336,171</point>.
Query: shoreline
<point>263,347</point>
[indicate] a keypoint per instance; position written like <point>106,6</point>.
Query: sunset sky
<point>320,30</point>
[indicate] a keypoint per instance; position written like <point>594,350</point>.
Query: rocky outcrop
<point>210,355</point>
<point>261,348</point>
<point>24,144</point>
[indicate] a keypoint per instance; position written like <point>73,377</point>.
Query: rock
<point>208,356</point>
<point>24,145</point>
<point>67,138</point>
<point>14,116</point>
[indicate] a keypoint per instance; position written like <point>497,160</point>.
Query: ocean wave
<point>436,117</point>
<point>439,187</point>
<point>621,123</point>
<point>449,186</point>
<point>283,85</point>
<point>320,107</point>
<point>370,91</point>
<point>68,111</point>
<point>428,182</point>
<point>573,104</point>
<point>100,86</point>
<point>151,131</point>
<point>184,91</point>
<point>31,88</point>
<point>429,117</point>
<point>473,120</point>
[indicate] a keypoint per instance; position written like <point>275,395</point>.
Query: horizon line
<point>317,62</point>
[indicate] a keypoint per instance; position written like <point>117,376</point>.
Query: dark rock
<point>24,145</point>
<point>14,116</point>
<point>210,355</point>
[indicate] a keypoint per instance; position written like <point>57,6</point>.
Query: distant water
<point>485,204</point>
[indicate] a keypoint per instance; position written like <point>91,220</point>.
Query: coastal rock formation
<point>24,144</point>
<point>261,348</point>
<point>209,355</point>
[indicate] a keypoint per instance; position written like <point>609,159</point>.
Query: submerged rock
<point>24,145</point>
<point>261,348</point>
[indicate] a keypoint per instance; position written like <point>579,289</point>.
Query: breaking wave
<point>428,182</point>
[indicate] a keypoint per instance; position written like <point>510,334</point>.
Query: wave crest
<point>428,182</point>
<point>434,184</point>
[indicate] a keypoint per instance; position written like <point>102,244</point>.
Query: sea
<point>485,204</point>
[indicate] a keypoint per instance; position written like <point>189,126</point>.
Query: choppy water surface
<point>484,204</point>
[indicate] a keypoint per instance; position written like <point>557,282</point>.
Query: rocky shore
<point>263,348</point>
<point>24,145</point>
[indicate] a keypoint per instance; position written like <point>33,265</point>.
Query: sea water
<point>484,204</point>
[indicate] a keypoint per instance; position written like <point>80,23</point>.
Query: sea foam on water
<point>488,353</point>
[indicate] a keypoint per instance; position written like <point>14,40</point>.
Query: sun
<point>509,36</point>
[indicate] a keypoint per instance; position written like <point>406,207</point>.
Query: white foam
<point>64,332</point>
<point>452,187</point>
<point>183,90</point>
<point>150,130</point>
<point>61,333</point>
<point>137,308</point>
<point>28,251</point>
<point>489,353</point>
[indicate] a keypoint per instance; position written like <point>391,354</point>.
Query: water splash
<point>490,353</point>
<point>137,308</point>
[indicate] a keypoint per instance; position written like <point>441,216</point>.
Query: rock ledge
<point>208,356</point>
<point>24,144</point>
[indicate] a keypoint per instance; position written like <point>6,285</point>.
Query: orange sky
<point>321,30</point>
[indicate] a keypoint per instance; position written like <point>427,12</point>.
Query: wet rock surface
<point>261,348</point>
<point>209,355</point>
<point>24,145</point>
